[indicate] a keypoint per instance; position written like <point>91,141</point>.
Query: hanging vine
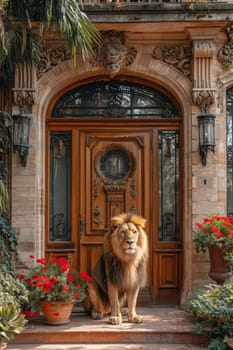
<point>8,237</point>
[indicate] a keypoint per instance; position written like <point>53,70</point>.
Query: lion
<point>121,271</point>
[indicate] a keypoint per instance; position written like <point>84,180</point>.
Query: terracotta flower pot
<point>57,312</point>
<point>219,270</point>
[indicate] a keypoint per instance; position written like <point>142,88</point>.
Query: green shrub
<point>212,309</point>
<point>12,290</point>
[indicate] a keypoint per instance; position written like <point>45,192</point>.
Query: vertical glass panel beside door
<point>168,186</point>
<point>60,187</point>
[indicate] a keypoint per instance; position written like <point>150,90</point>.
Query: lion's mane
<point>123,264</point>
<point>117,261</point>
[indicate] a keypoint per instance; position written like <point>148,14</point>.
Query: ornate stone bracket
<point>23,91</point>
<point>50,58</point>
<point>178,56</point>
<point>203,90</point>
<point>225,54</point>
<point>113,54</point>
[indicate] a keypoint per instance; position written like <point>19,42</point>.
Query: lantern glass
<point>21,134</point>
<point>206,124</point>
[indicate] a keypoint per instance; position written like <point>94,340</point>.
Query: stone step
<point>160,326</point>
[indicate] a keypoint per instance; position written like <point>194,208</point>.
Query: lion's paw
<point>115,320</point>
<point>135,319</point>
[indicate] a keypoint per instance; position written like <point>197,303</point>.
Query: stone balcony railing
<point>131,11</point>
<point>133,2</point>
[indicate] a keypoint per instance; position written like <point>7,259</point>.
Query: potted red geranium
<point>215,233</point>
<point>54,286</point>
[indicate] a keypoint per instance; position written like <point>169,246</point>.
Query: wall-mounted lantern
<point>206,125</point>
<point>21,133</point>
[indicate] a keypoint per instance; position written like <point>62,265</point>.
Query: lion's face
<point>127,235</point>
<point>127,238</point>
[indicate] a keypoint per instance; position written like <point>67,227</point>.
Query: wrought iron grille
<point>229,137</point>
<point>168,185</point>
<point>60,186</point>
<point>114,99</point>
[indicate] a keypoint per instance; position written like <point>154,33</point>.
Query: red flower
<point>65,268</point>
<point>76,296</point>
<point>214,228</point>
<point>56,314</point>
<point>66,288</point>
<point>85,276</point>
<point>41,261</point>
<point>27,313</point>
<point>207,220</point>
<point>29,282</point>
<point>53,279</point>
<point>219,235</point>
<point>71,278</point>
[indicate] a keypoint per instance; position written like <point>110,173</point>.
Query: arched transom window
<point>114,99</point>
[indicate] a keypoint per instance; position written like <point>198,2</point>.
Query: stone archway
<point>62,78</point>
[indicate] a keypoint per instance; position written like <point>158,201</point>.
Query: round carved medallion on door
<point>115,164</point>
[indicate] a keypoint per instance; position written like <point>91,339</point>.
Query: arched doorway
<point>115,146</point>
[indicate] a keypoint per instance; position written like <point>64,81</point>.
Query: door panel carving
<point>114,167</point>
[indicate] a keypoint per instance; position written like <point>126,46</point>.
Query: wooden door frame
<point>120,124</point>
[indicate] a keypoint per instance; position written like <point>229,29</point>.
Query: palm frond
<point>19,42</point>
<point>67,17</point>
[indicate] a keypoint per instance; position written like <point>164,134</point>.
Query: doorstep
<point>160,326</point>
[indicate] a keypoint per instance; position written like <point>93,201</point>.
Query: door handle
<point>82,224</point>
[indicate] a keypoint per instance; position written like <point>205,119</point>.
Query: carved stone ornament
<point>178,56</point>
<point>203,98</point>
<point>225,54</point>
<point>50,58</point>
<point>203,83</point>
<point>23,90</point>
<point>113,54</point>
<point>24,98</point>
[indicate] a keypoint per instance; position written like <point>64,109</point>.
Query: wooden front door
<point>116,147</point>
<point>116,178</point>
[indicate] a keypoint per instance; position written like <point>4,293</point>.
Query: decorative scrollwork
<point>225,54</point>
<point>203,98</point>
<point>24,98</point>
<point>50,58</point>
<point>96,187</point>
<point>178,56</point>
<point>133,191</point>
<point>97,215</point>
